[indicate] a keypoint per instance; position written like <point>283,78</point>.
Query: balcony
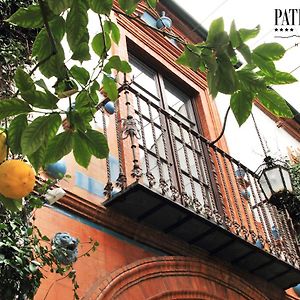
<point>171,178</point>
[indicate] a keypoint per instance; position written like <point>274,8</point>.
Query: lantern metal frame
<point>277,190</point>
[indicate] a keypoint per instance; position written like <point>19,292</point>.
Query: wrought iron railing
<point>164,151</point>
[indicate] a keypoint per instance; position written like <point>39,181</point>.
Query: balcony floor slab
<point>146,206</point>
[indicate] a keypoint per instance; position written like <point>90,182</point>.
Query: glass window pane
<point>176,99</point>
<point>143,76</point>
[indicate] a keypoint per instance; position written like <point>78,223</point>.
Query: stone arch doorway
<point>169,277</point>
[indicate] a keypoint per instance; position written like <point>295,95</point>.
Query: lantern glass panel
<point>287,179</point>
<point>265,186</point>
<point>275,179</point>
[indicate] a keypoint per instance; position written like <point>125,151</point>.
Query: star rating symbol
<point>276,29</point>
<point>281,29</point>
<point>292,29</point>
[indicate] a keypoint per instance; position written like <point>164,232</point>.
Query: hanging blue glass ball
<point>258,244</point>
<point>56,170</point>
<point>109,107</point>
<point>246,194</point>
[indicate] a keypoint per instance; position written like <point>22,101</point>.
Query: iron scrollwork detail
<point>130,127</point>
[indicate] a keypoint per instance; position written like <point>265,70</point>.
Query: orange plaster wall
<point>112,254</point>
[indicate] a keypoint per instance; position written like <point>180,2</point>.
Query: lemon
<point>3,146</point>
<point>17,179</point>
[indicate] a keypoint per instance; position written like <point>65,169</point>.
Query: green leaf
<point>80,74</point>
<point>226,78</point>
<point>247,34</point>
<point>95,86</point>
<point>82,99</point>
<point>81,151</point>
<point>23,81</point>
<point>267,66</point>
<point>234,36</point>
<point>101,7</point>
<point>115,33</point>
<point>45,238</point>
<point>152,3</point>
<point>96,143</point>
<point>246,52</point>
<point>79,120</point>
<point>11,204</point>
<point>216,36</point>
<point>270,51</point>
<point>37,158</point>
<point>29,17</point>
<point>42,49</point>
<point>15,131</point>
<point>110,87</point>
<point>55,66</point>
<point>280,78</point>
<point>275,103</point>
<point>58,6</point>
<point>190,59</point>
<point>209,60</point>
<point>82,53</point>
<point>211,80</point>
<point>65,88</point>
<point>76,23</point>
<point>41,46</point>
<point>250,81</point>
<point>13,107</point>
<point>41,83</point>
<point>40,99</point>
<point>100,44</point>
<point>116,63</point>
<point>216,27</point>
<point>59,146</point>
<point>241,105</point>
<point>33,268</point>
<point>38,132</point>
<point>129,6</point>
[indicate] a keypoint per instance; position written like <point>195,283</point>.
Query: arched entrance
<point>169,277</point>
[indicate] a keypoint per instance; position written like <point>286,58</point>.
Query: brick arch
<point>174,277</point>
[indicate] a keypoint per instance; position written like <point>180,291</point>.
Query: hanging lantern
<point>275,182</point>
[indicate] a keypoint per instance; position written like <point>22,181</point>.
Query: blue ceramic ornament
<point>109,107</point>
<point>56,170</point>
<point>163,21</point>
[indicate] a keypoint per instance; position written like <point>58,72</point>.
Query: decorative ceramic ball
<point>240,173</point>
<point>109,107</point>
<point>246,194</point>
<point>163,21</point>
<point>297,289</point>
<point>56,170</point>
<point>258,244</point>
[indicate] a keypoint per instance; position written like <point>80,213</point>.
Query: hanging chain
<point>259,136</point>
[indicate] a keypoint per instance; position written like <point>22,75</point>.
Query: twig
<point>223,128</point>
<point>45,19</point>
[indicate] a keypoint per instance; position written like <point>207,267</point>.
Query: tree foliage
<point>25,253</point>
<point>217,57</point>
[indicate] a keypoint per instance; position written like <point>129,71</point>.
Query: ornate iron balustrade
<point>164,151</point>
